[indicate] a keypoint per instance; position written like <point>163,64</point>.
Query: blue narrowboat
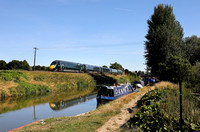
<point>109,93</point>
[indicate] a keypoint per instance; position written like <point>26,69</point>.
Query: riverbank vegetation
<point>159,111</point>
<point>24,83</point>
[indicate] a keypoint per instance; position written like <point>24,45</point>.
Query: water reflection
<point>68,103</point>
<point>17,103</point>
<point>18,112</point>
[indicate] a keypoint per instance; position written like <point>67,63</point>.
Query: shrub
<point>25,88</point>
<point>12,75</point>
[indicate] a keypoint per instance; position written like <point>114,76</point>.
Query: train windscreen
<point>54,63</point>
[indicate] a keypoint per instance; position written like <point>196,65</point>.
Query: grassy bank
<point>25,83</point>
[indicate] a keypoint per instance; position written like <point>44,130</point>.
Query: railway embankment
<point>24,83</point>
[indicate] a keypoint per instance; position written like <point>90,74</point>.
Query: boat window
<point>106,92</point>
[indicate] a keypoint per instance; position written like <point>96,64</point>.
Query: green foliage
<point>132,75</point>
<point>151,118</point>
<point>15,64</point>
<point>164,37</point>
<point>3,94</point>
<point>103,79</point>
<point>105,66</point>
<point>12,75</point>
<point>39,78</point>
<point>25,88</point>
<point>149,97</point>
<point>175,69</point>
<point>82,85</point>
<point>41,68</point>
<point>159,111</point>
<point>116,66</point>
<point>192,49</point>
<point>3,65</point>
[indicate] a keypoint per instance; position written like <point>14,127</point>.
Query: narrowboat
<point>109,93</point>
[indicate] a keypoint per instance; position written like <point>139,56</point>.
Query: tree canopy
<point>15,64</point>
<point>164,38</point>
<point>192,49</point>
<point>116,66</point>
<point>3,65</point>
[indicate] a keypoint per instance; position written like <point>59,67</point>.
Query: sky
<point>96,32</point>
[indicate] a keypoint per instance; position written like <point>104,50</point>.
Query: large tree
<point>164,38</point>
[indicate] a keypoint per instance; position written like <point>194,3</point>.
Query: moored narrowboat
<point>109,93</point>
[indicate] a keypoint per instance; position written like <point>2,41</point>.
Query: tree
<point>164,38</point>
<point>105,66</point>
<point>25,65</point>
<point>3,65</point>
<point>116,66</point>
<point>194,81</point>
<point>192,49</point>
<point>15,64</point>
<point>178,69</point>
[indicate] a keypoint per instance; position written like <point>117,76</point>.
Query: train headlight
<point>52,105</point>
<point>51,67</point>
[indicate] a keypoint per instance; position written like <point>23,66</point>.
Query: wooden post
<point>181,119</point>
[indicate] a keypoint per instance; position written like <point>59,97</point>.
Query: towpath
<point>126,112</point>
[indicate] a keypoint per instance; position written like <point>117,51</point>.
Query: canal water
<point>19,112</point>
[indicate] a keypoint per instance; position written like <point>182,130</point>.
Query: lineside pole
<point>34,58</point>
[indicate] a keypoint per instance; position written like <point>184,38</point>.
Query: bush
<point>28,89</point>
<point>162,113</point>
<point>12,75</point>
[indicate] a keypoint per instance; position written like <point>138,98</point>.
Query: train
<point>66,66</point>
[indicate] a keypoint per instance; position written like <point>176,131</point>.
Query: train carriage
<point>65,66</point>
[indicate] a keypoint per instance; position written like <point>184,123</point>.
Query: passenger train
<point>63,66</point>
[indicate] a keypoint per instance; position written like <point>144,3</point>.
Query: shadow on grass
<point>103,79</point>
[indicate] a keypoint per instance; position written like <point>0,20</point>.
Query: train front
<point>53,66</point>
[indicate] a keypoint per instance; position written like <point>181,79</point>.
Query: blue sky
<point>96,32</point>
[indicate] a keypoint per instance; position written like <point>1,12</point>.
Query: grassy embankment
<point>20,83</point>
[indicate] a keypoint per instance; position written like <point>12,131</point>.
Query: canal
<point>19,112</point>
